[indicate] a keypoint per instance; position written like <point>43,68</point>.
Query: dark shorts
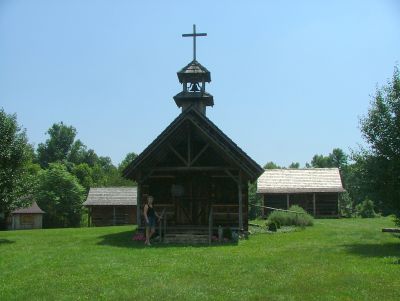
<point>151,223</point>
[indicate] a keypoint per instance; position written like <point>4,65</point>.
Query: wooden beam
<point>192,168</point>
<point>178,155</point>
<point>226,153</point>
<point>314,205</point>
<point>189,155</point>
<point>287,201</point>
<point>88,217</point>
<point>232,176</point>
<point>147,176</point>
<point>263,210</point>
<point>391,230</point>
<point>200,153</point>
<point>138,204</point>
<point>240,201</point>
<point>113,215</point>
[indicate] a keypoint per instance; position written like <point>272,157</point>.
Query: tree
<point>83,173</point>
<point>271,165</point>
<point>128,159</point>
<point>320,161</point>
<point>58,146</point>
<point>380,164</point>
<point>294,165</point>
<point>254,199</point>
<point>60,195</point>
<point>338,158</point>
<point>16,168</point>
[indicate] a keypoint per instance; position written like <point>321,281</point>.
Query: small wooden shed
<point>315,189</point>
<point>27,218</point>
<point>111,206</point>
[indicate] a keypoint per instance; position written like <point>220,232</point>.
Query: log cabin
<point>26,218</point>
<point>316,190</point>
<point>111,206</point>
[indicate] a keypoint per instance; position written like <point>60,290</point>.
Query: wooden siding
<point>326,204</point>
<point>201,193</point>
<point>104,215</point>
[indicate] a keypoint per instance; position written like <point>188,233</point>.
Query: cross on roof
<point>194,35</point>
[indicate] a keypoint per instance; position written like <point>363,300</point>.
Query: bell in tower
<point>193,78</point>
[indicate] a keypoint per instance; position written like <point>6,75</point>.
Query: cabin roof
<point>300,180</point>
<point>111,196</point>
<point>222,141</point>
<point>34,208</point>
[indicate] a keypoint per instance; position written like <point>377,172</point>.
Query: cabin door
<point>192,207</point>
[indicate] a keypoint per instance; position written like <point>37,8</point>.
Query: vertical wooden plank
<point>240,202</point>
<point>287,201</point>
<point>338,206</point>
<point>138,204</point>
<point>113,215</point>
<point>210,225</point>
<point>189,150</point>
<point>263,209</point>
<point>88,217</point>
<point>314,205</point>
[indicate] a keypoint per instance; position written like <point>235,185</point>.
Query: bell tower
<point>193,78</point>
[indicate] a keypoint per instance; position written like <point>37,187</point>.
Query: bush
<point>283,218</point>
<point>366,209</point>
<point>346,205</point>
<point>272,227</point>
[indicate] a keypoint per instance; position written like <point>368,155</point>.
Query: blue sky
<point>289,78</point>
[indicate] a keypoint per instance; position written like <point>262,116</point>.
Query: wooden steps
<point>186,238</point>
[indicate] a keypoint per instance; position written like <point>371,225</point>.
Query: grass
<point>347,259</point>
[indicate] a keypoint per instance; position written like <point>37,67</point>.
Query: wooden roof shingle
<point>33,209</point>
<point>112,196</point>
<point>305,180</point>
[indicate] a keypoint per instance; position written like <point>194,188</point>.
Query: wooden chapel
<point>197,175</point>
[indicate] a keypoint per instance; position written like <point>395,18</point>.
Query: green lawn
<point>347,259</point>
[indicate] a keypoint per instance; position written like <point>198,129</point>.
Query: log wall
<point>326,204</point>
<point>104,215</point>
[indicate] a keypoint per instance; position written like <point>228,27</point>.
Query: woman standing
<point>150,216</point>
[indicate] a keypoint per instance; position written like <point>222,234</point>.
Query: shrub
<point>366,209</point>
<point>272,227</point>
<point>346,205</point>
<point>283,218</point>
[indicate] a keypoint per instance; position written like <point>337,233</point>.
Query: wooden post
<point>338,205</point>
<point>189,151</point>
<point>240,202</point>
<point>165,227</point>
<point>263,211</point>
<point>287,201</point>
<point>88,217</point>
<point>210,225</point>
<point>113,215</point>
<point>138,204</point>
<point>314,205</point>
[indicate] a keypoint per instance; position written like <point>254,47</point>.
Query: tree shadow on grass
<point>4,241</point>
<point>375,250</point>
<point>124,240</point>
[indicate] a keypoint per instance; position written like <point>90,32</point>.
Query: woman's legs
<point>152,231</point>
